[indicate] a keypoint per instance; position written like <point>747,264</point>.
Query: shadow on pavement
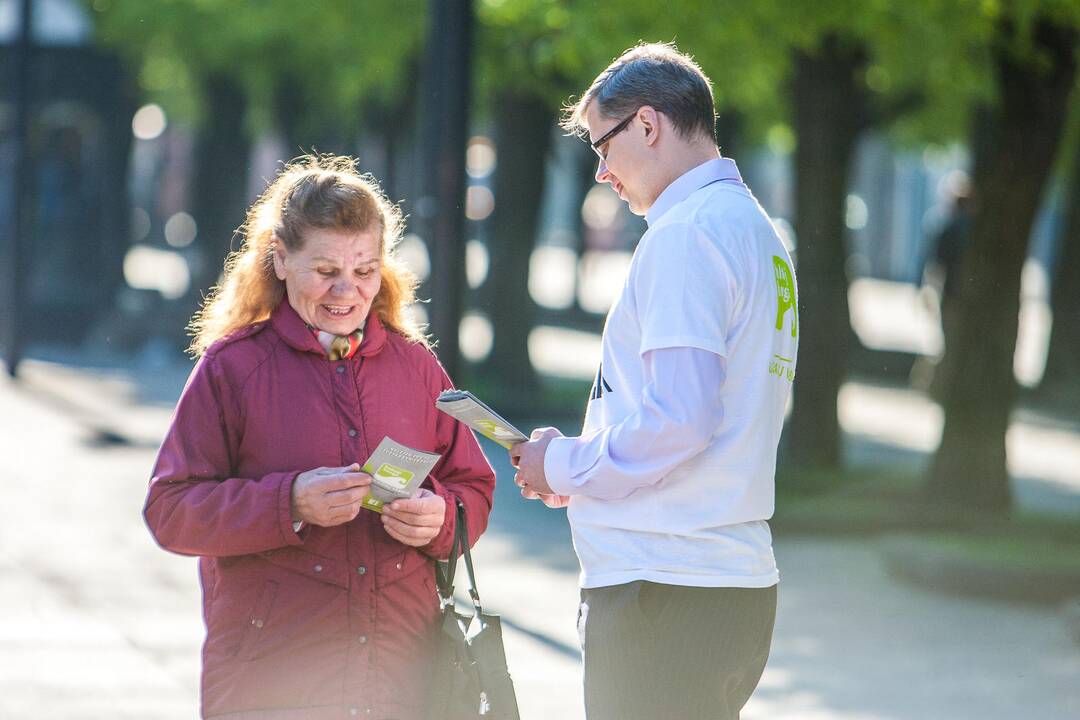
<point>99,433</point>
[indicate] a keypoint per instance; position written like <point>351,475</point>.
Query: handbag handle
<point>444,580</point>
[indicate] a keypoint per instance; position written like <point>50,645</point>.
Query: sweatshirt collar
<point>710,171</point>
<point>296,334</point>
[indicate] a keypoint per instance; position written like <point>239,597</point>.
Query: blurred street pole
<point>445,109</point>
<point>17,245</point>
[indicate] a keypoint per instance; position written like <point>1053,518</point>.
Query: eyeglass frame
<point>595,144</point>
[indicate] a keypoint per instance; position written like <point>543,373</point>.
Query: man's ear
<point>650,120</point>
<point>279,261</point>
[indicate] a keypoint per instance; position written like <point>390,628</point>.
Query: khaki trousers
<point>673,652</point>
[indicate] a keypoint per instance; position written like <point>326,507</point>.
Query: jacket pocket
<point>256,628</point>
<point>317,567</point>
<point>396,567</point>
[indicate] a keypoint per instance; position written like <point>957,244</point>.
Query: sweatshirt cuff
<point>557,465</point>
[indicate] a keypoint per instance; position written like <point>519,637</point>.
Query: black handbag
<point>469,676</point>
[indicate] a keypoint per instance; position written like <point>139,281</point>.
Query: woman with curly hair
<point>314,607</point>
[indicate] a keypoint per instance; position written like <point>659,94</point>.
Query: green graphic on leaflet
<point>370,501</point>
<point>392,474</point>
<point>494,431</point>
<point>398,479</point>
<point>785,295</point>
<point>388,476</point>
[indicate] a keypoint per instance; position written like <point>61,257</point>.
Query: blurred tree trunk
<point>113,197</point>
<point>219,198</point>
<point>445,131</point>
<point>586,167</point>
<point>729,131</point>
<point>1063,359</point>
<point>523,126</point>
<point>305,127</point>
<point>830,110</point>
<point>395,126</point>
<point>290,112</point>
<point>390,122</point>
<point>969,469</point>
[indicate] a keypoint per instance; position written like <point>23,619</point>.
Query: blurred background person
<point>942,278</point>
<point>948,247</point>
<point>313,608</point>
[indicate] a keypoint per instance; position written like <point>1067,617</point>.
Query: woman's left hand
<point>415,521</point>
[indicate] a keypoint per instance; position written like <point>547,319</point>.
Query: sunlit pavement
<point>97,622</point>
<point>852,643</point>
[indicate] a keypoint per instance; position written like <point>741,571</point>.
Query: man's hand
<point>552,501</point>
<point>329,496</point>
<point>415,521</point>
<point>528,458</point>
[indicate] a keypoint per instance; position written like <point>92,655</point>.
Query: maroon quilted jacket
<point>328,622</point>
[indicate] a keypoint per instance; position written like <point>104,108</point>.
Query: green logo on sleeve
<point>785,295</point>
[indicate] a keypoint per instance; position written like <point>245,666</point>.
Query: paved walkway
<point>97,622</point>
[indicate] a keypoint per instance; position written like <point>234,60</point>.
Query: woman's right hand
<point>329,496</point>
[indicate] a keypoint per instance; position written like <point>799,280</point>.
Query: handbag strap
<point>444,579</point>
<point>444,571</point>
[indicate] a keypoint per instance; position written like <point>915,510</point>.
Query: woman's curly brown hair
<point>312,191</point>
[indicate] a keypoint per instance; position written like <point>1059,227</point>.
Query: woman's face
<point>332,280</point>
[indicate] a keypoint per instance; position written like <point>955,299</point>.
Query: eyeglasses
<point>600,141</point>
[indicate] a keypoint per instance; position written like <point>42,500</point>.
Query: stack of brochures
<point>472,411</point>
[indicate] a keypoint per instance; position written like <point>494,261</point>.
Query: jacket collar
<point>296,335</point>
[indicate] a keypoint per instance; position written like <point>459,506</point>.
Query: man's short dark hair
<point>654,74</point>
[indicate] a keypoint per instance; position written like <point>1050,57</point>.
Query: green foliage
<point>538,46</point>
<point>930,51</point>
<point>555,48</point>
<point>335,53</point>
<point>736,45</point>
<point>926,58</point>
<point>341,55</point>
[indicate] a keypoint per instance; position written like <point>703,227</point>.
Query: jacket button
<point>352,432</point>
<point>361,570</point>
<point>340,369</point>
<point>318,568</point>
<point>362,639</point>
<point>398,566</point>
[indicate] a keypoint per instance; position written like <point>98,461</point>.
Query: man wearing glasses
<point>670,485</point>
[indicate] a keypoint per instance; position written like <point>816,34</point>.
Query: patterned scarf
<point>339,347</point>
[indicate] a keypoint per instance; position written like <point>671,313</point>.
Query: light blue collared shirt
<point>718,170</point>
